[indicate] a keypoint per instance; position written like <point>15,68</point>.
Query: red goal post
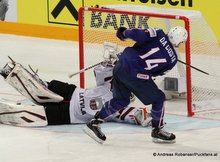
<point>95,35</point>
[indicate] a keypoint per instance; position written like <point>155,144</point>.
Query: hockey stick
<point>197,69</point>
<point>85,69</point>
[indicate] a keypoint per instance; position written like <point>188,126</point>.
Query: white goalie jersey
<point>86,102</point>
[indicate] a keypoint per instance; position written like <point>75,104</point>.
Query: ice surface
<point>125,143</point>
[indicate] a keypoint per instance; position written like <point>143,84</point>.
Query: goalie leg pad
<point>30,86</point>
<point>22,115</point>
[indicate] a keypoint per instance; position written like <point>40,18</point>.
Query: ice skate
<point>93,130</point>
<point>161,136</point>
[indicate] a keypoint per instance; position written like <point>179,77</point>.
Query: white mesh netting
<point>100,27</point>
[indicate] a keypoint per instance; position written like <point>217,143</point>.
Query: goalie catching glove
<point>110,53</point>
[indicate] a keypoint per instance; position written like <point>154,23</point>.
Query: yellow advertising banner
<point>64,13</point>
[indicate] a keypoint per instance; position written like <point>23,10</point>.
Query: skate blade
<point>157,140</point>
<point>91,134</point>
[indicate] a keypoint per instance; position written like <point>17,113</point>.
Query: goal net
<point>197,92</point>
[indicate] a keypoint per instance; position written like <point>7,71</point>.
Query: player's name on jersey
<point>168,48</point>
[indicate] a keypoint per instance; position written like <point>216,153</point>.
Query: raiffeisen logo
<point>186,3</point>
<point>64,11</point>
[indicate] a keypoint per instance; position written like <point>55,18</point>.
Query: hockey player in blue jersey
<point>152,55</point>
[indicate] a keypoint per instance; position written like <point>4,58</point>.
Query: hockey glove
<point>110,52</point>
<point>120,33</point>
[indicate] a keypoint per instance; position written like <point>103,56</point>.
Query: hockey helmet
<point>177,35</point>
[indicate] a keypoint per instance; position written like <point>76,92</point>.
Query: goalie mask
<point>177,35</point>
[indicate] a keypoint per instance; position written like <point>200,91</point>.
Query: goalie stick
<point>85,69</point>
<point>110,52</point>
